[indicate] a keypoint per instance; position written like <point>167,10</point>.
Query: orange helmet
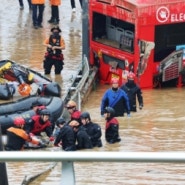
<point>24,89</point>
<point>74,123</point>
<point>19,121</point>
<point>131,76</point>
<point>71,104</point>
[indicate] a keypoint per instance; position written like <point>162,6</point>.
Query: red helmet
<point>19,121</point>
<point>131,76</point>
<point>115,81</point>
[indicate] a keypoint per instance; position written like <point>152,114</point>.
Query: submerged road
<point>159,127</point>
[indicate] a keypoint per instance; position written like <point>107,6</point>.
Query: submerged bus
<point>146,37</point>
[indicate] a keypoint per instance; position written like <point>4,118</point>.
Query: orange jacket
<point>55,2</point>
<point>22,134</point>
<point>37,1</point>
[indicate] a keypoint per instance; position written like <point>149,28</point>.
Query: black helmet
<point>110,110</point>
<point>61,121</point>
<point>45,112</point>
<point>85,115</point>
<point>56,28</point>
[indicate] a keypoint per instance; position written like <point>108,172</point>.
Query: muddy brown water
<point>159,127</point>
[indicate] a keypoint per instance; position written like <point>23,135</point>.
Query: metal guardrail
<point>77,90</point>
<point>85,74</point>
<point>67,159</point>
<point>160,157</point>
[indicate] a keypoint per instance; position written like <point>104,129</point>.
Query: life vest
<point>56,43</point>
<point>38,127</point>
<point>111,121</point>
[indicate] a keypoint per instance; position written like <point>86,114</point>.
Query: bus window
<point>113,32</point>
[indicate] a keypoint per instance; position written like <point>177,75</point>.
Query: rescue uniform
<point>54,11</point>
<point>17,138</point>
<point>133,91</point>
<point>116,99</point>
<point>66,136</point>
<point>35,126</point>
<point>54,57</point>
<point>37,12</point>
<point>83,139</point>
<point>111,130</point>
<point>94,132</point>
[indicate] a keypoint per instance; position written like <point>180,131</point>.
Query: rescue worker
<point>55,44</point>
<point>82,138</point>
<point>112,126</point>
<point>116,98</point>
<point>72,109</point>
<point>65,137</point>
<point>22,4</point>
<point>40,123</point>
<point>133,91</point>
<point>17,136</point>
<point>54,11</point>
<point>37,13</point>
<point>92,129</point>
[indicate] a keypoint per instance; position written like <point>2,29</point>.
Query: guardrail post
<point>79,101</point>
<point>4,178</point>
<point>68,174</point>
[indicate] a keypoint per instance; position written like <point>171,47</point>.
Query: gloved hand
<point>140,107</point>
<point>31,134</point>
<point>51,138</point>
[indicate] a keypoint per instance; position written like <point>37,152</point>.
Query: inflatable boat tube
<point>23,108</point>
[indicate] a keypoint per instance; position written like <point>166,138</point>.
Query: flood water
<point>159,127</point>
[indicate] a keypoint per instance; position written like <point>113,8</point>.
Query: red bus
<point>146,37</point>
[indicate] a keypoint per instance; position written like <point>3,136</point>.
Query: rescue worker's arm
<point>29,126</point>
<point>104,103</point>
<point>127,103</point>
<point>62,45</point>
<point>49,132</point>
<point>97,133</point>
<point>46,43</point>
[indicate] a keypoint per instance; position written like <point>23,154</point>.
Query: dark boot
<point>51,20</point>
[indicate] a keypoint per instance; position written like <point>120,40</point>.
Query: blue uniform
<point>118,100</point>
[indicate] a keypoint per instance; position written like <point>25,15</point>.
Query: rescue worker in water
<point>40,123</point>
<point>133,91</point>
<point>55,44</point>
<point>17,136</point>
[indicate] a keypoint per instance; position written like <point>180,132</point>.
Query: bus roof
<point>141,3</point>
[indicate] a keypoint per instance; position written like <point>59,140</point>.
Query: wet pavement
<point>159,127</point>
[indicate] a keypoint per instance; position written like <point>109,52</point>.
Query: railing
<point>76,92</point>
<point>67,159</point>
